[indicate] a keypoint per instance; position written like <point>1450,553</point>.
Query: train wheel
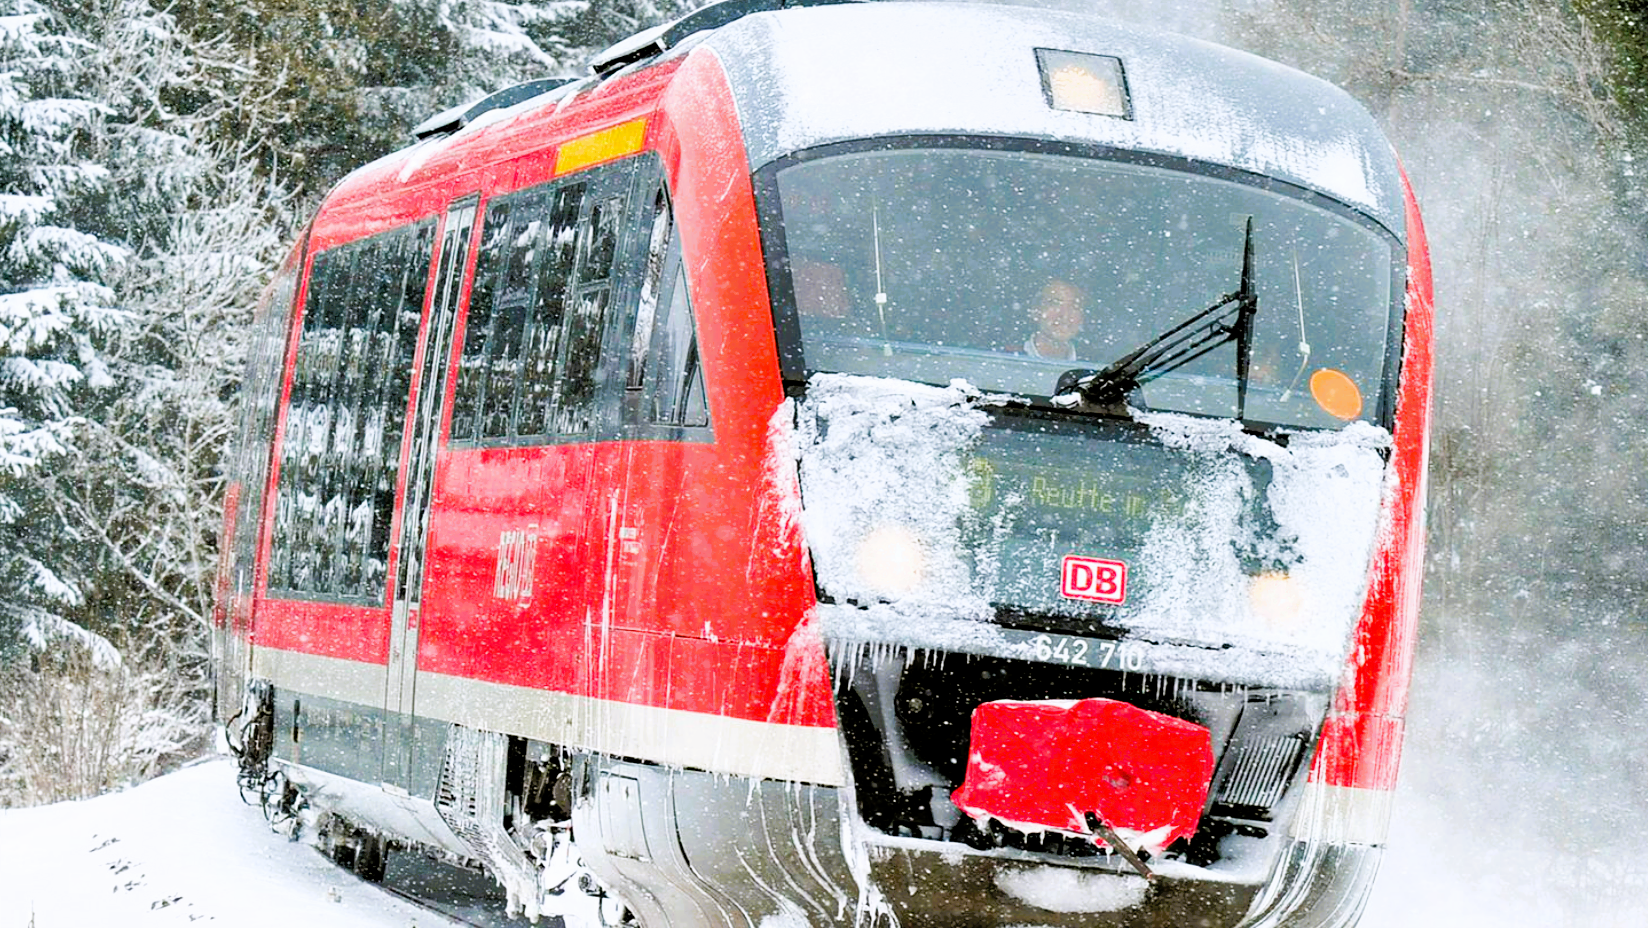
<point>371,857</point>
<point>343,855</point>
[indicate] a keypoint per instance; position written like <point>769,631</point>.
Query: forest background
<point>157,158</point>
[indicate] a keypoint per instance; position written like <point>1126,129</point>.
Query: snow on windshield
<point>1230,539</point>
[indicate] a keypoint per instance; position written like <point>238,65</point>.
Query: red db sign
<point>1093,579</point>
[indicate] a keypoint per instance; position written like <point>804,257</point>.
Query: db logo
<point>1094,579</point>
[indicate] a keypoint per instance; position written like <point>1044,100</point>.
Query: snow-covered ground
<point>1440,872</point>
<point>1523,801</point>
<point>183,849</point>
<point>179,850</point>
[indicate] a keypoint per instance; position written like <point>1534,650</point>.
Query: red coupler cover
<point>1044,765</point>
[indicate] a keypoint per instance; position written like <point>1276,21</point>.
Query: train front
<point>1107,381</point>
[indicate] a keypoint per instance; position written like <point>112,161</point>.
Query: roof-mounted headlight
<point>1084,83</point>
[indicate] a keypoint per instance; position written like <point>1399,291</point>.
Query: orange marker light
<point>605,145</point>
<point>1336,393</point>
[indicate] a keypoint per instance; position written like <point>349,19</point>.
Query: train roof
<point>815,75</point>
<point>805,76</point>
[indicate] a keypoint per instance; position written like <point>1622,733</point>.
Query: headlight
<point>890,560</point>
<point>1277,599</point>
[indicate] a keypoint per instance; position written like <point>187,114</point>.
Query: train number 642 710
<point>1088,652</point>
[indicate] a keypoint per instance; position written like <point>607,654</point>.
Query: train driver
<point>1058,314</point>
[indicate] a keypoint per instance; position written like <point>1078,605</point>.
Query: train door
<point>408,764</point>
<point>664,402</point>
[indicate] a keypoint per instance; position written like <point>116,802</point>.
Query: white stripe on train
<point>716,743</point>
<point>1343,814</point>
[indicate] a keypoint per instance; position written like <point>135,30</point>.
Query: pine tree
<point>132,495</point>
<point>56,312</point>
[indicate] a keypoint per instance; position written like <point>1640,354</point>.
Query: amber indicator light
<point>597,147</point>
<point>1336,393</point>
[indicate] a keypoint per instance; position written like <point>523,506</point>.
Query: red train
<point>945,463</point>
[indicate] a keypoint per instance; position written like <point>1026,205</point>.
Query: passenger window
<point>470,395</point>
<point>664,371</point>
<point>502,365</point>
<point>531,366</point>
<point>556,262</point>
<point>340,452</point>
<point>598,242</point>
<point>676,393</point>
<point>250,460</point>
<point>652,278</point>
<point>538,399</point>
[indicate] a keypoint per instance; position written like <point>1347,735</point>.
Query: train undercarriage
<point>599,840</point>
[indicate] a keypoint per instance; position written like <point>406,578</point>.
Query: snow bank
<point>179,850</point>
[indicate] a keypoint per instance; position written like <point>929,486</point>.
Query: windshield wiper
<point>1230,318</point>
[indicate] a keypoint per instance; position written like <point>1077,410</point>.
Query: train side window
<point>250,458</point>
<point>504,354</point>
<point>676,395</point>
<point>334,447</point>
<point>350,387</point>
<point>353,462</point>
<point>538,381</point>
<point>601,235</point>
<point>395,339</point>
<point>470,396</point>
<point>665,380</point>
<point>598,244</point>
<point>652,278</point>
<point>555,258</point>
<point>507,374</point>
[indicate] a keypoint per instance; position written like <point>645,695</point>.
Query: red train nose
<point>1048,765</point>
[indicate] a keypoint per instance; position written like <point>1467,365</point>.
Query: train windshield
<point>1011,269</point>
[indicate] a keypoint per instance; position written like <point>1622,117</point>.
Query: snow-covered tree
<point>56,312</point>
<point>167,136</point>
<point>73,727</point>
<point>143,491</point>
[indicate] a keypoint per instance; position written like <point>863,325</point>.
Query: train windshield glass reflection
<point>1007,268</point>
